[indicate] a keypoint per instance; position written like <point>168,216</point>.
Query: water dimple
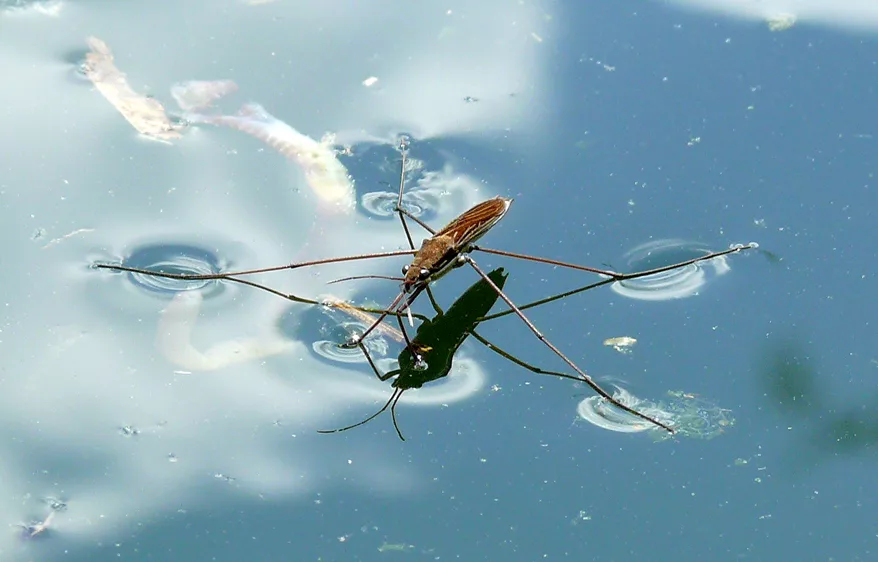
<point>343,332</point>
<point>677,283</point>
<point>329,328</point>
<point>76,59</point>
<point>176,259</point>
<point>421,204</point>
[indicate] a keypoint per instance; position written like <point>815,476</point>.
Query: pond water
<point>149,419</point>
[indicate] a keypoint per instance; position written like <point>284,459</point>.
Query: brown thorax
<point>428,260</point>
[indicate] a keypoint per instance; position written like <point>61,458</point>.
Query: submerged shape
<point>691,416</point>
<point>326,175</point>
<point>145,114</point>
<point>174,340</point>
<point>198,95</point>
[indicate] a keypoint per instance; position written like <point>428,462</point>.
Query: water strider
<point>447,249</point>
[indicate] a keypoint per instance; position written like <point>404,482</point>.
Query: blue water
<point>139,427</point>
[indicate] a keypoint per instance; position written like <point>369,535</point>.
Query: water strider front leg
<point>226,275</point>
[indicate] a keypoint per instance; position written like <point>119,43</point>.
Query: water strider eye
<point>405,269</point>
<point>423,274</point>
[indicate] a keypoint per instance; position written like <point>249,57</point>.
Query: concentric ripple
<point>420,203</point>
<point>674,284</point>
<point>328,327</point>
<point>177,259</point>
<point>689,415</point>
<point>330,349</point>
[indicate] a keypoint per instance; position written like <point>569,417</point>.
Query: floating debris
<point>145,114</point>
<point>197,95</point>
<point>174,340</point>
<point>325,174</point>
<point>60,239</point>
<point>395,547</point>
<point>622,344</point>
<point>781,22</point>
<point>363,316</point>
<point>689,415</point>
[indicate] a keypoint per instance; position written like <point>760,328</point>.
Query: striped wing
<point>474,223</point>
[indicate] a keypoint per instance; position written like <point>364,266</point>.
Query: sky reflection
<point>87,353</point>
<point>852,14</point>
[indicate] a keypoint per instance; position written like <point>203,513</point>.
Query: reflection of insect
<point>435,344</point>
<point>446,249</point>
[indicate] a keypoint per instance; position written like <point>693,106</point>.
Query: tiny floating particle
<point>395,547</point>
<point>370,81</point>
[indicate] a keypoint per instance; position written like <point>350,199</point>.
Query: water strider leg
<point>303,300</point>
<point>220,276</point>
<point>616,276</point>
<point>613,277</point>
<point>391,402</point>
<point>584,377</point>
<point>532,368</point>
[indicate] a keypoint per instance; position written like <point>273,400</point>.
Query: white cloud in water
<point>79,354</point>
<point>853,14</point>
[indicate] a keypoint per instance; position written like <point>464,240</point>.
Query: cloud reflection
<point>79,347</point>
<point>853,14</point>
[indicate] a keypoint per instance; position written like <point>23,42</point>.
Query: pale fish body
<point>326,175</point>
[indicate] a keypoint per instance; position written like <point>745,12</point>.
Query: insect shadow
<point>435,343</point>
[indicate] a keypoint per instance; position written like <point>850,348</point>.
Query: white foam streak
<point>850,14</point>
